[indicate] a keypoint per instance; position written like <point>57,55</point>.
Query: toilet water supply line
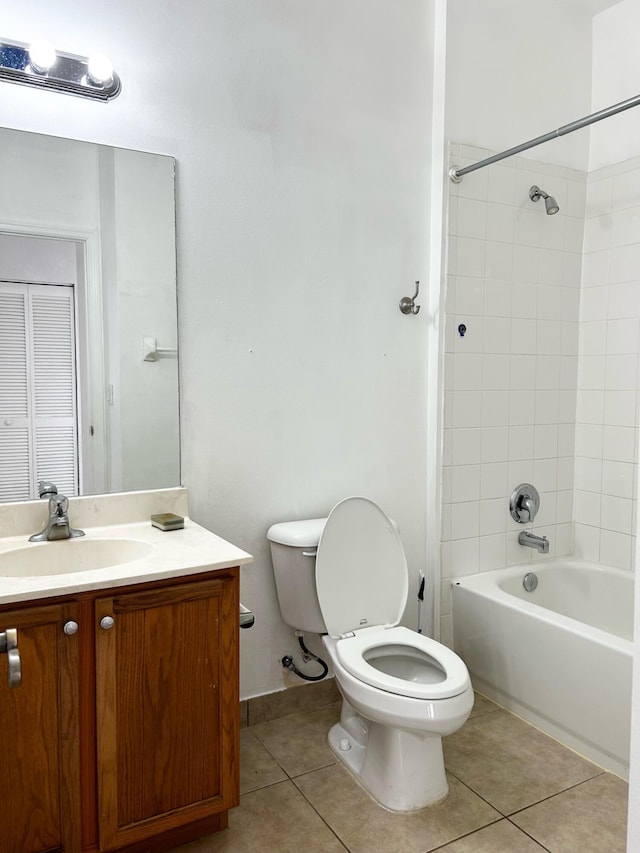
<point>287,661</point>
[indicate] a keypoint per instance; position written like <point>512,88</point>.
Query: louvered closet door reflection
<point>15,441</point>
<point>37,367</point>
<point>54,386</point>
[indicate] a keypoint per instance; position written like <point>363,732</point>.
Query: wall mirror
<point>88,319</point>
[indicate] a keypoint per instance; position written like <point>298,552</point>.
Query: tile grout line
<point>307,800</point>
<point>528,834</point>
<point>292,779</point>
<point>558,793</point>
<point>476,794</point>
<point>530,805</point>
<point>466,834</point>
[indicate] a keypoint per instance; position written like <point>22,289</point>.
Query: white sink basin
<point>70,555</point>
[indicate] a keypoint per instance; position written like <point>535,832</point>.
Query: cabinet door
<point>167,707</point>
<point>39,735</point>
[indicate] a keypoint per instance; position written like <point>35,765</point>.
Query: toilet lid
<point>361,569</point>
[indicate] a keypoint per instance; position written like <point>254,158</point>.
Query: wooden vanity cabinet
<point>39,734</point>
<point>141,753</point>
<point>167,708</point>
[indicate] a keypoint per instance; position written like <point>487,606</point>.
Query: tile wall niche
<point>510,383</point>
<point>607,404</point>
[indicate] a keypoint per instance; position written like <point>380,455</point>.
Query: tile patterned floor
<point>512,789</point>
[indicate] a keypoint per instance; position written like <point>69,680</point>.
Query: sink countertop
<point>174,554</point>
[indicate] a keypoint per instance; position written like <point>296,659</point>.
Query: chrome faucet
<point>540,543</point>
<point>57,526</point>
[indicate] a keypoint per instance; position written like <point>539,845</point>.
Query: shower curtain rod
<point>456,174</point>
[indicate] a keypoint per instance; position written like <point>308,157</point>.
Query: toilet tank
<point>293,546</point>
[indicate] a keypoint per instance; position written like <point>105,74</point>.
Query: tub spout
<point>540,543</point>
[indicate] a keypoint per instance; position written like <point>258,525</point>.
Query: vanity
<point>121,729</point>
<point>123,733</point>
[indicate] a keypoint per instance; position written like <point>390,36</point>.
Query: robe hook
<point>408,303</point>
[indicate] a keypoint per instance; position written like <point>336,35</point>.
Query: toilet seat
<point>452,676</point>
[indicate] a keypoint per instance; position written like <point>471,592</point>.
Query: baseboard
<point>302,697</point>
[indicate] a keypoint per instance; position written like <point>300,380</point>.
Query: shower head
<point>535,194</point>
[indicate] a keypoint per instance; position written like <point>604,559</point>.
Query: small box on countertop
<point>167,521</point>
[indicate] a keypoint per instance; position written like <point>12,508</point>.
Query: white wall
<point>34,259</point>
<point>301,133</point>
<point>517,70</point>
<point>47,181</point>
<point>616,78</point>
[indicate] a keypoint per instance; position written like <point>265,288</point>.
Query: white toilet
<point>402,691</point>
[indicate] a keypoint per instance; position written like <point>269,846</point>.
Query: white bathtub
<point>561,656</point>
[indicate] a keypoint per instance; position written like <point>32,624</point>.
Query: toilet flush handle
<point>310,553</point>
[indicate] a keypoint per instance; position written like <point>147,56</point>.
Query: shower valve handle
<point>524,503</point>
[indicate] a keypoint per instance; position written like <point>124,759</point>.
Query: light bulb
<point>42,56</point>
<point>100,70</point>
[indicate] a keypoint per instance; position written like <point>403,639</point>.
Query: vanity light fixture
<point>40,64</point>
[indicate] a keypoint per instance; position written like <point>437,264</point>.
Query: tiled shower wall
<point>607,406</point>
<point>513,280</point>
<point>542,386</point>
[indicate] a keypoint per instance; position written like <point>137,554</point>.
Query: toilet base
<point>402,770</point>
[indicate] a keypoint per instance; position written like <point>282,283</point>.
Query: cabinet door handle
<point>70,628</point>
<point>107,622</point>
<point>9,646</point>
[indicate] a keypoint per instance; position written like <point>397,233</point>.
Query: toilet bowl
<point>402,691</point>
